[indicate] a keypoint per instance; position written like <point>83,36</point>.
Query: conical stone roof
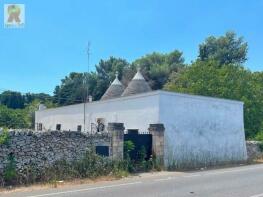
<point>115,90</point>
<point>137,85</point>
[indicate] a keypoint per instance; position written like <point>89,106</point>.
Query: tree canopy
<point>157,67</point>
<point>227,49</point>
<point>11,118</point>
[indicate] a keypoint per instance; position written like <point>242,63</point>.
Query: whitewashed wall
<point>201,130</point>
<point>136,112</point>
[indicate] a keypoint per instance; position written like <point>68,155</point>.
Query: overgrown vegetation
<point>4,136</point>
<point>10,175</point>
<point>260,146</point>
<point>90,166</point>
<point>140,163</point>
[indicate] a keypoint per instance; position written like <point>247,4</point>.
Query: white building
<point>198,130</point>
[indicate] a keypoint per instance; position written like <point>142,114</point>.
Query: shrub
<point>89,166</point>
<point>259,136</point>
<point>4,137</point>
<point>128,147</point>
<point>10,174</point>
<point>260,146</point>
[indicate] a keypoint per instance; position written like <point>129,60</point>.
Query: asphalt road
<point>243,181</point>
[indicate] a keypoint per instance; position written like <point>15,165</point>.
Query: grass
<point>90,166</point>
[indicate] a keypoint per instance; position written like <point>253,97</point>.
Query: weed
<point>4,137</point>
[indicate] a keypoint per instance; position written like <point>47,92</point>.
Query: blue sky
<point>52,43</point>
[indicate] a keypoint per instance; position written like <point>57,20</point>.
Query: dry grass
<point>259,160</point>
<point>56,184</point>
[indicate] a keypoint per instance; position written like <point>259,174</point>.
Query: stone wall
<point>117,132</point>
<point>157,131</point>
<point>44,148</point>
<point>253,151</point>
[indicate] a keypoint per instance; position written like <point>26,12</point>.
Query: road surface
<point>243,181</point>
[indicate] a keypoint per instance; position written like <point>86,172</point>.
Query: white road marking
<point>209,173</point>
<point>234,170</point>
<point>165,179</point>
<point>87,189</point>
<point>194,175</point>
<point>257,195</point>
<point>162,179</point>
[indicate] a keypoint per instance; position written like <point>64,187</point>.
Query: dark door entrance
<point>141,141</point>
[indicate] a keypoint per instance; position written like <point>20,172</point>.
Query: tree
<point>227,49</point>
<point>156,67</point>
<point>230,81</point>
<point>12,99</point>
<point>32,108</point>
<point>30,97</point>
<point>106,70</point>
<point>13,118</point>
<point>71,90</point>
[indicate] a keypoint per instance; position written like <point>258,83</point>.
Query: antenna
<point>87,95</point>
<point>88,53</point>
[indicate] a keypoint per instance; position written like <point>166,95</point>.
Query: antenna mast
<point>88,53</point>
<point>87,95</point>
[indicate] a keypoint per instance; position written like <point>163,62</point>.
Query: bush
<point>4,136</point>
<point>260,146</point>
<point>259,136</point>
<point>140,163</point>
<point>90,166</point>
<point>128,147</point>
<point>10,174</point>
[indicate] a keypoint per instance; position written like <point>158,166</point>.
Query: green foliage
<point>18,111</point>
<point>10,173</point>
<point>29,111</point>
<point>157,67</point>
<point>12,100</point>
<point>13,118</point>
<point>106,70</point>
<point>128,147</point>
<point>72,89</point>
<point>89,166</point>
<point>15,100</point>
<point>4,136</point>
<point>226,81</point>
<point>142,154</point>
<point>260,146</point>
<point>140,163</point>
<point>259,136</point>
<point>227,49</point>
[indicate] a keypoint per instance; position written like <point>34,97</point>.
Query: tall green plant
<point>10,173</point>
<point>4,136</point>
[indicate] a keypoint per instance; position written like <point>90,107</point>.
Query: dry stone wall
<point>42,149</point>
<point>253,150</point>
